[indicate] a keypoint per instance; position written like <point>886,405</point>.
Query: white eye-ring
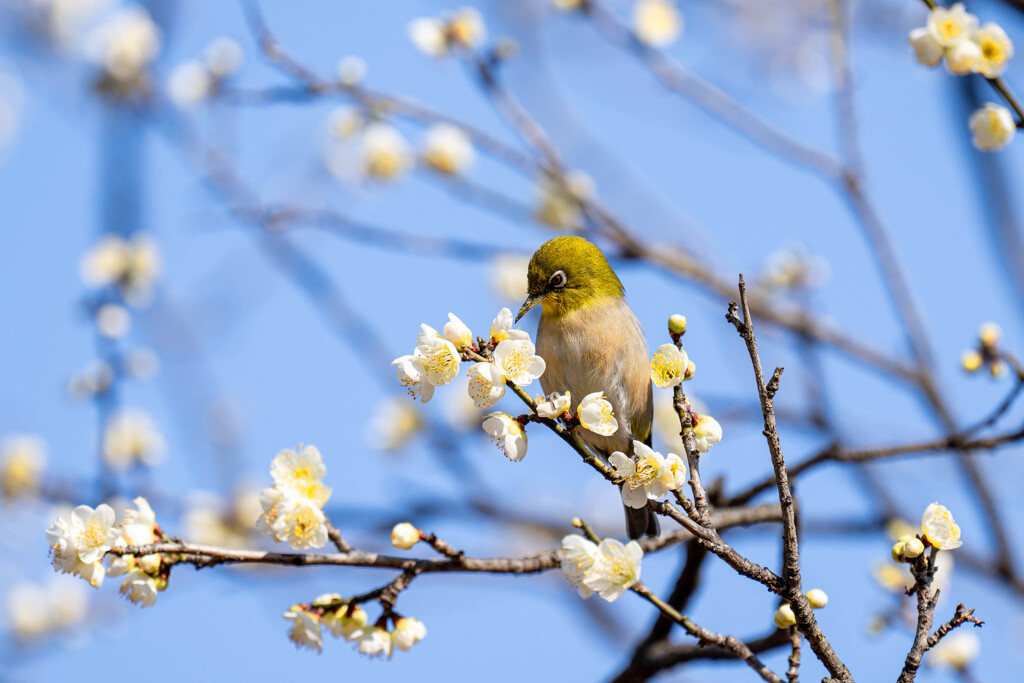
<point>557,279</point>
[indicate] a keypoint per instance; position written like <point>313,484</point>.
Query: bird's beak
<point>530,302</point>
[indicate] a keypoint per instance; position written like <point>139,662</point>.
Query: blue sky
<point>230,326</point>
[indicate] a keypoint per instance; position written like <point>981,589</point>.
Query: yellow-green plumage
<point>592,341</point>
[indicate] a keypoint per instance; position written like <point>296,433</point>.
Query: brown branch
<point>793,673</point>
<point>792,592</point>
<point>960,617</point>
<point>923,569</point>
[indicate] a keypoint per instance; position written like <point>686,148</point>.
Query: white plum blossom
<point>408,632</point>
<point>131,438</point>
<point>351,71</point>
<point>668,366</point>
<point>139,587</point>
<point>345,621</point>
<point>646,475</point>
<point>22,462</point>
<point>223,57</point>
<point>956,651</point>
<point>457,332</point>
<point>927,50</point>
<point>706,431</point>
<point>373,641</point>
<point>951,26</point>
<point>508,434</point>
<point>964,57</point>
<point>394,422</point>
<point>676,467</point>
<point>125,44</point>
<point>79,541</point>
<point>992,127</point>
<point>577,558</point>
<point>305,629</point>
<point>428,35</point>
<point>657,23</point>
<point>554,405</point>
<point>939,528</point>
<point>296,520</point>
<point>447,149</point>
<point>508,277</point>
<point>617,567</point>
<point>384,153</point>
<point>413,377</point>
<point>517,359</point>
<point>438,356</point>
<point>996,49</point>
<point>595,414</point>
<point>501,328</point>
<point>404,535</point>
<point>301,472</point>
<point>486,384</point>
<point>189,84</point>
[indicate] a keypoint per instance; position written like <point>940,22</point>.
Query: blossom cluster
<point>293,506</point>
<point>81,539</point>
<point>132,265</point>
<point>349,621</point>
<point>953,34</point>
<point>438,36</point>
<point>195,80</point>
<point>608,569</point>
<point>987,353</point>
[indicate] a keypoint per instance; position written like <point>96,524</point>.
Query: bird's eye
<point>557,279</point>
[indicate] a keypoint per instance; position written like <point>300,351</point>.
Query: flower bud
<point>971,360</point>
<point>784,617</point>
<point>990,334</point>
<point>404,536</point>
<point>898,550</point>
<point>677,325</point>
<point>691,368</point>
<point>150,564</point>
<point>817,598</point>
<point>914,546</point>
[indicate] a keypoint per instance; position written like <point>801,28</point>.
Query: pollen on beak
<point>530,302</point>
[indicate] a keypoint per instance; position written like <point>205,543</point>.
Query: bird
<point>591,340</point>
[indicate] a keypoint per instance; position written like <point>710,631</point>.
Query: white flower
<point>385,154</point>
<point>394,422</point>
<point>189,84</point>
<point>964,58</point>
<point>301,472</point>
<point>113,321</point>
<point>508,277</point>
<point>676,468</point>
<point>373,641</point>
<point>413,377</point>
<point>139,525</point>
<point>408,632</point>
<point>645,475</point>
<point>447,149</point>
<point>131,438</point>
<point>106,263</point>
<point>657,22</point>
<point>486,384</point>
<point>939,528</point>
<point>345,621</point>
<point>559,203</point>
<point>126,43</point>
<point>404,536</point>
<point>501,328</point>
<point>955,651</point>
<point>996,49</point>
<point>428,35</point>
<point>817,598</point>
<point>517,360</point>
<point>22,461</point>
<point>139,587</point>
<point>617,567</point>
<point>992,127</point>
<point>27,616</point>
<point>706,431</point>
<point>595,414</point>
<point>952,26</point>
<point>578,558</point>
<point>457,332</point>
<point>295,520</point>
<point>223,57</point>
<point>305,630</point>
<point>784,616</point>
<point>351,71</point>
<point>926,48</point>
<point>553,405</point>
<point>466,28</point>
<point>505,431</point>
<point>438,356</point>
<point>80,540</point>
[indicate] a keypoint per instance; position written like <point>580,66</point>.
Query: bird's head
<point>568,274</point>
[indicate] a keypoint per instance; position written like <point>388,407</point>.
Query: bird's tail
<point>640,523</point>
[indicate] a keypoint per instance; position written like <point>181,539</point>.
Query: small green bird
<point>592,341</point>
